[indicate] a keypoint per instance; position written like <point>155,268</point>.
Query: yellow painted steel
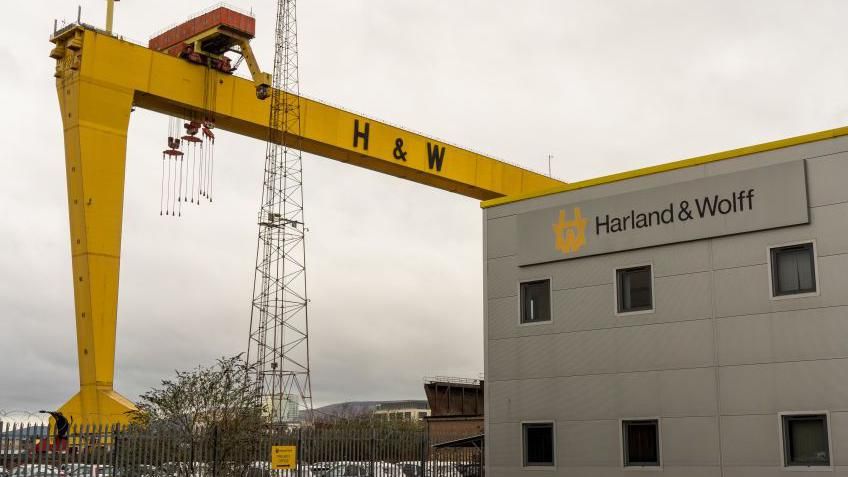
<point>99,78</point>
<point>670,166</point>
<point>95,119</point>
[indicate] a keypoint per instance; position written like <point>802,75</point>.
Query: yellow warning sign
<point>283,457</point>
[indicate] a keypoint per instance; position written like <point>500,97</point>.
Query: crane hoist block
<point>206,37</point>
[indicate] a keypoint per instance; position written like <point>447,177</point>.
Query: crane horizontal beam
<point>176,87</point>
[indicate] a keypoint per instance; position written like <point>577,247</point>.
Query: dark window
<point>793,270</point>
<point>536,301</point>
<point>805,440</point>
<point>634,289</point>
<point>641,443</point>
<point>538,444</point>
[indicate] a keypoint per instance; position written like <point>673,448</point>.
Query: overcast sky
<point>395,268</point>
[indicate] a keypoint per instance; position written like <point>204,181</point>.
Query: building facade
<point>456,406</point>
<point>685,320</point>
<point>412,411</point>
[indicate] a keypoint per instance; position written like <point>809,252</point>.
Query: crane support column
<point>95,117</point>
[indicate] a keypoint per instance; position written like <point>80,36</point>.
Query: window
<point>538,444</point>
<point>634,289</point>
<point>536,301</point>
<point>793,270</point>
<point>641,442</point>
<point>805,440</point>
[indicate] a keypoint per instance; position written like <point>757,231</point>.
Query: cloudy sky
<point>395,268</point>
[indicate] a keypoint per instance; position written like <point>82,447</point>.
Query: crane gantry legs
<point>95,117</point>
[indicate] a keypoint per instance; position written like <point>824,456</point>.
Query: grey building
<point>689,319</point>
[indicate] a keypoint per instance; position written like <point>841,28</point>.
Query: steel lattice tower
<point>279,324</point>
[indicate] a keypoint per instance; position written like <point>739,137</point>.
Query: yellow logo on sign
<point>570,234</point>
<point>283,457</point>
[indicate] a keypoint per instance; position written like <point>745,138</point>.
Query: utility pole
<point>110,13</point>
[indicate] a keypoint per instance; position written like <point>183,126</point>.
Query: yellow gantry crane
<point>99,80</point>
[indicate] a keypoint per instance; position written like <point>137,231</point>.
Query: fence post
<point>425,443</point>
<point>115,449</point>
<point>299,451</point>
<point>215,451</point>
<point>373,449</point>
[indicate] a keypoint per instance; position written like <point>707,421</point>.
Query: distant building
<point>415,410</point>
<point>456,406</point>
<point>285,409</point>
<point>408,410</point>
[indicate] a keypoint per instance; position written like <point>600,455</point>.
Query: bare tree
<point>210,415</point>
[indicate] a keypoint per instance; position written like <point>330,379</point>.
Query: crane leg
<point>95,119</point>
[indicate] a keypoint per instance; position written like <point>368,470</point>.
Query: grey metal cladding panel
<point>500,277</point>
<point>618,471</point>
<point>638,394</point>
<point>503,274</point>
<point>839,435</point>
<point>686,344</point>
<point>590,443</point>
<point>817,333</point>
<point>582,309</point>
<point>674,471</point>
<point>828,226</point>
<point>525,400</point>
<point>502,318</point>
<point>690,441</point>
<point>505,445</point>
<point>639,348</point>
<point>759,471</point>
<point>680,298</point>
<point>571,398</point>
<point>599,191</point>
<point>744,340</point>
<point>745,290</point>
<point>502,237</point>
<point>750,441</point>
<point>688,392</point>
<point>778,156</point>
<point>826,179</point>
<point>674,259</point>
<point>675,393</point>
<point>552,355</point>
<point>775,387</point>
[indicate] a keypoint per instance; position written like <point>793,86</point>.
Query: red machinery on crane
<point>205,38</point>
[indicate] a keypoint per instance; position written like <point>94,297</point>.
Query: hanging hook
<point>162,184</point>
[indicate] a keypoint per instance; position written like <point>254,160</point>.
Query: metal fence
<point>335,451</point>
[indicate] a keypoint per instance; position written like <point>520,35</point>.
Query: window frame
<point>782,439</point>
<point>616,296</point>
<point>623,447</point>
<point>550,302</point>
<point>522,428</point>
<point>771,271</point>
